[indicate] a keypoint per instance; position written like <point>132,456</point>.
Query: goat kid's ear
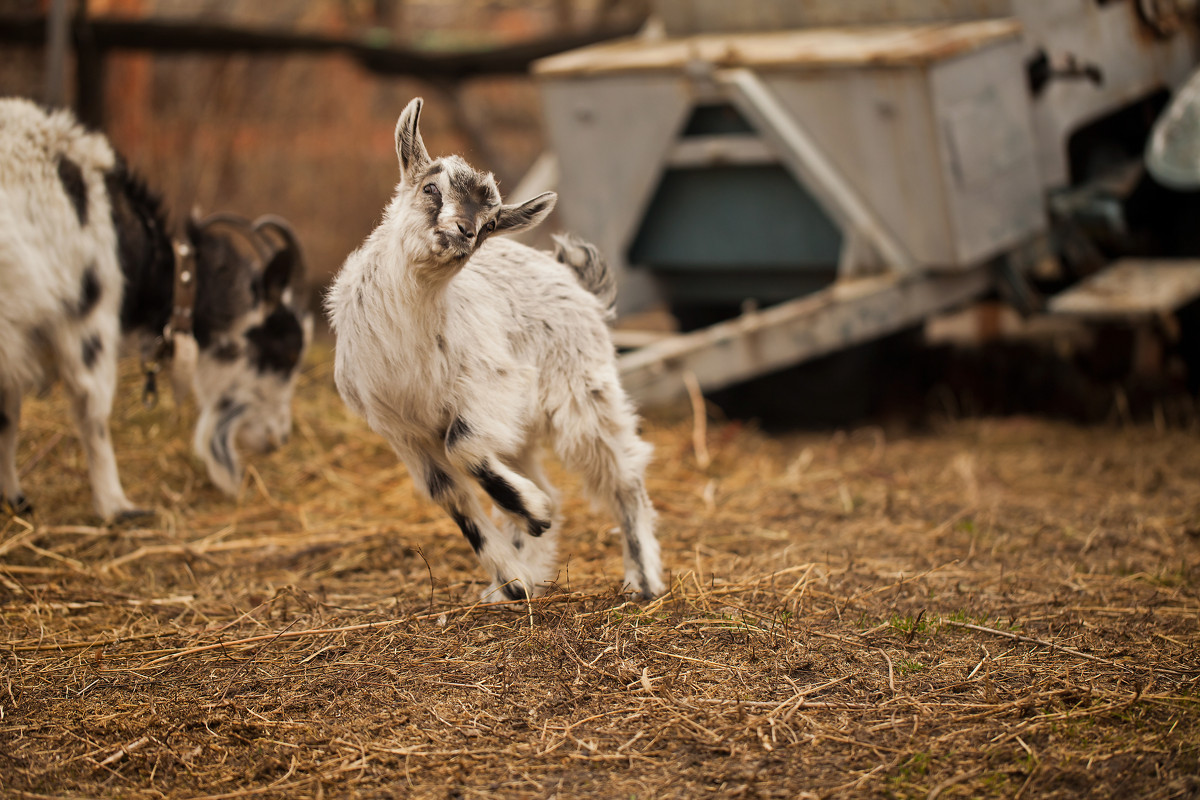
<point>277,275</point>
<point>191,225</point>
<point>410,148</point>
<point>514,219</point>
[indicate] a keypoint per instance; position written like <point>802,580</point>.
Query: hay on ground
<point>995,608</point>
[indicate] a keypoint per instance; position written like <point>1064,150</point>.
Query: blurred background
<point>288,107</point>
<point>984,205</point>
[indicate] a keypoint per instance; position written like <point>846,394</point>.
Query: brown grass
<point>999,608</point>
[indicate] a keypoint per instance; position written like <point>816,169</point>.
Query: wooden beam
<point>175,36</point>
<point>847,313</point>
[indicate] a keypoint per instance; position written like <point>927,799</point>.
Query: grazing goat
<point>85,256</point>
<point>467,352</point>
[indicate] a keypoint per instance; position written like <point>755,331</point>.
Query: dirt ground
<point>989,608</point>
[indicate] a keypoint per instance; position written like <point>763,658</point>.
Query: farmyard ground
<point>992,608</point>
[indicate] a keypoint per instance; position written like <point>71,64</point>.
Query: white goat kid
<point>85,256</point>
<point>468,352</point>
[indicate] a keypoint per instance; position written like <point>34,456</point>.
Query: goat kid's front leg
<point>473,450</point>
<point>505,557</point>
<point>10,484</point>
<point>90,375</point>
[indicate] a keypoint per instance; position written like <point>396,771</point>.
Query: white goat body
<point>468,353</point>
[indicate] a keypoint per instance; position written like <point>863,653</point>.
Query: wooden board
<point>809,48</point>
<point>847,313</point>
<point>1132,288</point>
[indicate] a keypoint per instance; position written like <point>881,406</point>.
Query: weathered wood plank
<point>816,48</point>
<point>848,313</point>
<point>1132,287</point>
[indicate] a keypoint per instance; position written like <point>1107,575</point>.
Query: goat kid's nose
<point>465,229</point>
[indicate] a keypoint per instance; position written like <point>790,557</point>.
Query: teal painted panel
<point>717,286</point>
<point>737,216</point>
<point>716,119</point>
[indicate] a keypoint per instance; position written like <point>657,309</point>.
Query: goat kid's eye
<point>431,189</point>
<point>491,226</point>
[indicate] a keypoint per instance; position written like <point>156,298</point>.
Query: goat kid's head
<point>252,332</point>
<point>453,208</point>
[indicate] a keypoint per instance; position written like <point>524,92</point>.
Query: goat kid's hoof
<point>645,594</point>
<point>498,592</point>
<point>132,515</point>
<point>18,506</point>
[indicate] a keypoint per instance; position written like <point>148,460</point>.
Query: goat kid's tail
<point>589,266</point>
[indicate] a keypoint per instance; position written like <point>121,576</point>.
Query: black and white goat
<point>467,352</point>
<point>85,256</point>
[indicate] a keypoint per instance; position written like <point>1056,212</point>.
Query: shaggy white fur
<point>469,352</point>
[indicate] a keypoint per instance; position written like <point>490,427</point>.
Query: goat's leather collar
<point>181,323</point>
<point>183,299</point>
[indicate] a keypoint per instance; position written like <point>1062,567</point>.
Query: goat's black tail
<point>590,268</point>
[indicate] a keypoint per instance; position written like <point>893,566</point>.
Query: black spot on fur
<point>89,291</point>
<point>4,421</point>
<point>227,352</point>
<point>459,430</point>
<point>143,249</point>
<point>222,440</point>
<point>90,350</point>
<point>441,344</point>
<point>628,524</point>
<point>507,497</point>
<point>433,208</point>
<point>278,343</point>
<point>468,530</point>
<point>71,177</point>
<point>227,285</point>
<point>514,591</point>
<point>499,490</point>
<point>437,482</point>
<point>19,505</point>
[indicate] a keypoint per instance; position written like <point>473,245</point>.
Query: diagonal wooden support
<point>849,312</point>
<point>808,163</point>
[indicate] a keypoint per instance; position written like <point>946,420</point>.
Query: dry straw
<point>997,608</point>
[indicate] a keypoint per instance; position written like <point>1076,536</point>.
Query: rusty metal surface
<point>688,17</point>
<point>1132,288</point>
<point>879,46</point>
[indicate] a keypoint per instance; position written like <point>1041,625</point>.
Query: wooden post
<point>89,71</point>
<point>58,28</point>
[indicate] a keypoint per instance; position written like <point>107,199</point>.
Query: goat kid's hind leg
<point>511,576</point>
<point>643,564</point>
<point>10,484</point>
<point>89,371</point>
<point>602,445</point>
